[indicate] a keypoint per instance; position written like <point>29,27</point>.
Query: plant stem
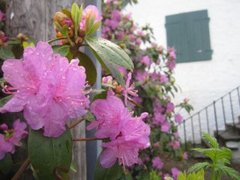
<point>89,139</point>
<point>57,39</point>
<point>21,169</point>
<point>76,123</point>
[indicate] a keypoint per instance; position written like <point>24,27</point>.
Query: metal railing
<point>212,118</point>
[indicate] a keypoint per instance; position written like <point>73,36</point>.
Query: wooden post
<point>34,18</point>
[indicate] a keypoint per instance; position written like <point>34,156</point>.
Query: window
<point>188,33</point>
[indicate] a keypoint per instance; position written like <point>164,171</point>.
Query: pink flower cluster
<point>157,163</point>
<point>127,134</point>
<point>12,137</point>
<point>46,87</point>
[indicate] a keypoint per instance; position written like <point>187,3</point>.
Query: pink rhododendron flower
<point>127,134</point>
<point>171,60</point>
<point>12,137</point>
<point>48,89</point>
<point>159,118</point>
<point>146,60</point>
<point>175,144</point>
<point>163,79</point>
<point>157,163</point>
<point>178,118</point>
<point>120,35</point>
<point>185,156</point>
<point>141,76</point>
<point>175,172</point>
<point>116,15</point>
<point>129,90</point>
<point>170,107</point>
<point>165,126</point>
<point>90,12</point>
<point>5,147</point>
<point>122,70</point>
<point>107,80</point>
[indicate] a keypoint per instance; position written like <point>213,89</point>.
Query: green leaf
<point>89,66</point>
<point>115,172</point>
<point>61,49</point>
<point>109,52</point>
<point>5,100</point>
<point>27,44</point>
<point>211,140</point>
<point>6,164</point>
<point>199,166</point>
<point>76,13</point>
<point>6,53</point>
<point>109,67</point>
<point>50,156</point>
<point>230,172</point>
<point>94,28</point>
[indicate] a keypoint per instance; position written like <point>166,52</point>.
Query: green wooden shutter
<point>188,33</point>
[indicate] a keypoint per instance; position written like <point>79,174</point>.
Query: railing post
<point>200,126</point>
<point>238,96</point>
<point>215,116</point>
<point>230,98</point>
<point>193,135</point>
<point>207,120</point>
<point>185,136</point>
<point>223,108</point>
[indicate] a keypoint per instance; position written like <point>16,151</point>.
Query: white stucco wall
<point>205,81</point>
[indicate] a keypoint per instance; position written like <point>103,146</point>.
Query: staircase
<point>221,118</point>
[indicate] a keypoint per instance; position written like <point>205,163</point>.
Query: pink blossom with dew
<point>146,60</point>
<point>165,126</point>
<point>178,118</point>
<point>129,90</point>
<point>47,88</point>
<point>127,134</point>
<point>175,144</point>
<point>185,156</point>
<point>2,16</point>
<point>163,79</point>
<point>175,172</point>
<point>90,12</point>
<point>109,113</point>
<point>133,137</point>
<point>157,163</point>
<point>170,107</point>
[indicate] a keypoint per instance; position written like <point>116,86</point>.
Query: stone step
<point>227,135</point>
<point>198,155</point>
<point>233,145</point>
<point>233,127</point>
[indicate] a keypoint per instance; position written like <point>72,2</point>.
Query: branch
<point>76,123</point>
<point>57,39</point>
<point>21,169</point>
